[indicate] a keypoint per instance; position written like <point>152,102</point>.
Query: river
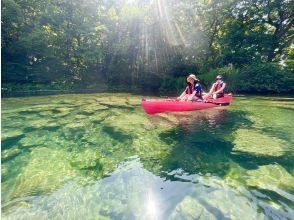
<point>99,156</point>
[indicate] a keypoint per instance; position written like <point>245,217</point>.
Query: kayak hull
<point>154,106</point>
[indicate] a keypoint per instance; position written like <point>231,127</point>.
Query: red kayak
<point>153,106</point>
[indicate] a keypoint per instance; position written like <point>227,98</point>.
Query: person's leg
<point>185,97</point>
<point>207,96</point>
<point>214,96</point>
<point>194,98</point>
<point>197,99</point>
<point>218,95</point>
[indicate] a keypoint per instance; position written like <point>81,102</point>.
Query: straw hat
<point>192,76</point>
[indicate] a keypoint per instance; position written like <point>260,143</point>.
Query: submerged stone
<point>11,138</point>
<point>11,133</point>
<point>10,153</point>
<point>253,142</point>
<point>270,177</point>
<point>33,139</point>
<point>61,112</point>
<point>87,159</point>
<point>39,123</point>
<point>189,208</point>
<point>47,170</point>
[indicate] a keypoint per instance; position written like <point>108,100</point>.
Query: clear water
<point>99,156</point>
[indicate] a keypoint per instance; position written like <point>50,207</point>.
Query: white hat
<point>192,76</point>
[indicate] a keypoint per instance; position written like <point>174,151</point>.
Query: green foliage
<point>254,78</point>
<point>11,87</point>
<point>140,44</point>
<point>264,78</point>
<point>228,73</point>
<point>290,57</point>
<point>173,84</point>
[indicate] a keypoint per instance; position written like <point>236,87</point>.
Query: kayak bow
<point>153,106</point>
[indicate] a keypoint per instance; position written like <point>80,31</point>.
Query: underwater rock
<point>94,107</point>
<point>74,125</point>
<point>45,113</point>
<point>133,124</point>
<point>81,116</point>
<point>61,112</point>
<point>39,123</point>
<point>10,153</point>
<point>189,208</point>
<point>236,175</point>
<point>117,101</point>
<point>10,138</point>
<point>74,131</point>
<point>52,126</point>
<point>87,159</point>
<point>250,141</point>
<point>33,139</point>
<point>133,100</point>
<point>47,170</point>
<point>10,134</point>
<point>270,177</point>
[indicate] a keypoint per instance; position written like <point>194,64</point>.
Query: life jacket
<point>189,90</point>
<point>217,86</point>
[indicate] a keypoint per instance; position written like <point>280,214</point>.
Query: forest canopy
<point>148,44</point>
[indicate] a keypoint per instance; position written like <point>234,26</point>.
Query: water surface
<point>99,156</point>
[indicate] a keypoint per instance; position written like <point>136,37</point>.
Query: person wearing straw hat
<point>217,89</point>
<point>193,91</point>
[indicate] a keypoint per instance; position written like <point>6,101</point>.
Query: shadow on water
<point>252,161</point>
<point>203,143</point>
<point>116,134</point>
<point>10,141</point>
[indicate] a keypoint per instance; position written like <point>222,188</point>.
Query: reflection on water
<point>213,117</point>
<point>132,192</point>
<point>100,156</point>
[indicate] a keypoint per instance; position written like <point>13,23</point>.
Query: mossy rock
<point>10,153</point>
<point>189,208</point>
<point>253,142</point>
<point>10,134</point>
<point>47,170</point>
<point>33,139</point>
<point>270,177</point>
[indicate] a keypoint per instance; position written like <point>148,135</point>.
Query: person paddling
<point>217,89</point>
<point>193,91</point>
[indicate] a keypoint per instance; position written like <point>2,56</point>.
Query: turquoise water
<point>99,156</point>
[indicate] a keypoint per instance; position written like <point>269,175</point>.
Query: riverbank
<point>138,91</point>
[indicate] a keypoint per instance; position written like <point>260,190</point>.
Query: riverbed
<point>99,156</point>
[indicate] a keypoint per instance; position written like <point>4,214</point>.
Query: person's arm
<point>221,89</point>
<point>207,95</point>
<point>211,90</point>
<point>183,93</point>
